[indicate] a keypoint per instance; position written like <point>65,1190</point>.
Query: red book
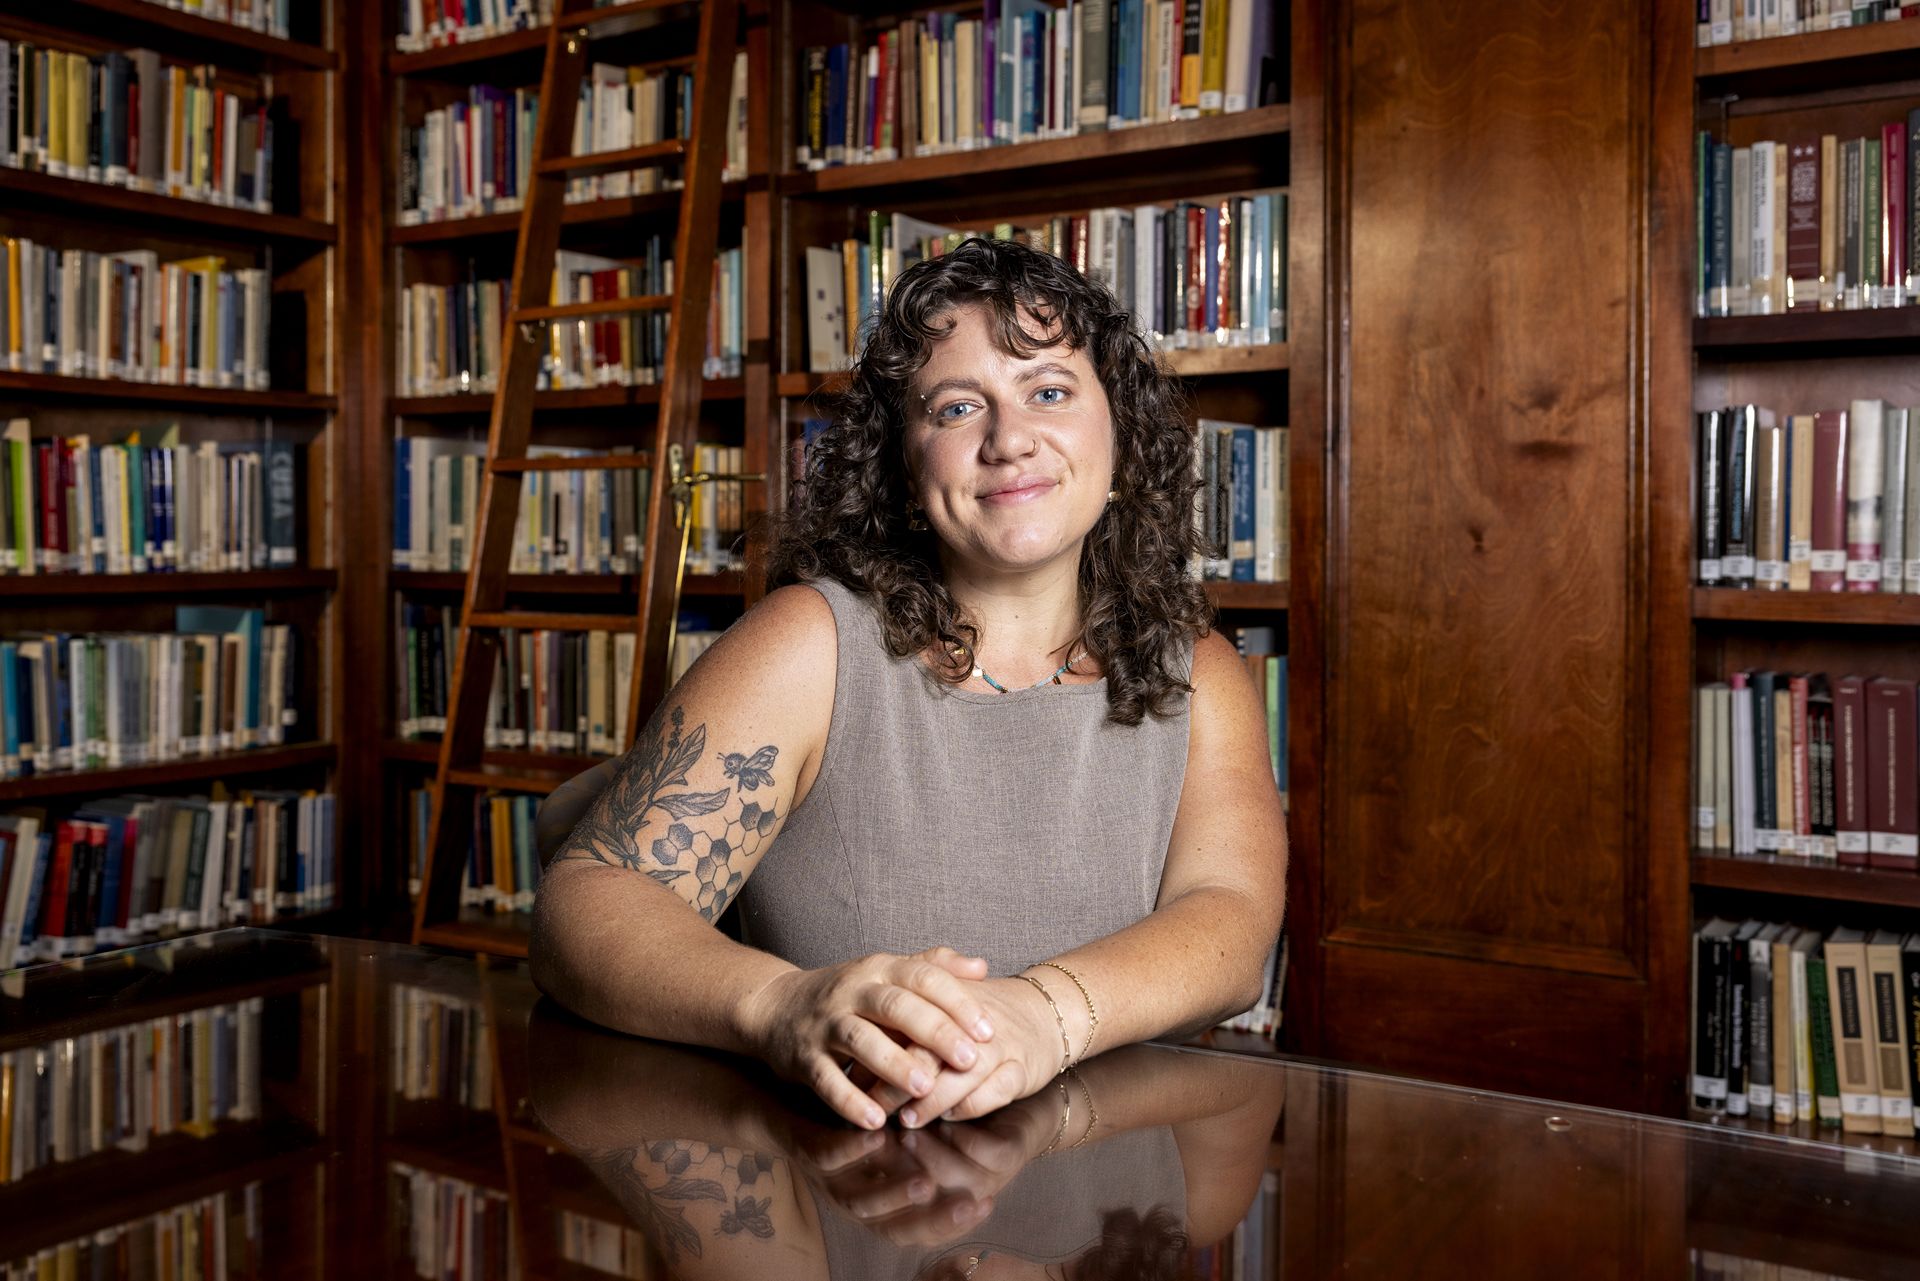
<point>1803,225</point>
<point>606,330</point>
<point>1893,181</point>
<point>1830,501</point>
<point>1894,835</point>
<point>52,502</point>
<point>53,911</point>
<point>65,504</point>
<point>1196,269</point>
<point>1852,760</point>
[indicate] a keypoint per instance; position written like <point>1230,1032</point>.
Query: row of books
<point>210,1239</point>
<point>121,1087</point>
<point>569,522</point>
<point>68,506</point>
<point>130,317</point>
<point>502,869</point>
<point>122,870</point>
<point>1715,1265</point>
<point>1738,21</point>
<point>475,156</point>
<point>1795,1025</point>
<point>1813,224</point>
<point>1797,763</point>
<point>452,1229</point>
<point>434,24</point>
<point>441,1047</point>
<point>1026,70</point>
<point>1193,275</point>
<point>1258,648</point>
<point>1243,514</point>
<point>450,334</point>
<point>617,1249</point>
<point>1822,502</point>
<point>552,691</point>
<point>223,682</point>
<point>128,120</point>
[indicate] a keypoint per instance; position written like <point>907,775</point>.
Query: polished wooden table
<point>258,1104</point>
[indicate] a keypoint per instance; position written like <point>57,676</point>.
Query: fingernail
<point>875,1118</point>
<point>919,1083</point>
<point>983,1029</point>
<point>948,1117</point>
<point>909,1118</point>
<point>919,1190</point>
<point>963,1055</point>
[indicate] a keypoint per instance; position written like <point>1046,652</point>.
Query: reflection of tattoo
<point>610,833</point>
<point>659,1210</point>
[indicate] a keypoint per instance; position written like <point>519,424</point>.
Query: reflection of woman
<point>731,1175</point>
<point>980,731</point>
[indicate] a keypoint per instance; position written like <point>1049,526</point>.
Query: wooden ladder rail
<point>458,769</point>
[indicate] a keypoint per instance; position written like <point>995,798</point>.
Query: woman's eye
<point>955,410</point>
<point>1058,395</point>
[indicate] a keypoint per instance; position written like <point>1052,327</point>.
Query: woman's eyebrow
<point>1048,369</point>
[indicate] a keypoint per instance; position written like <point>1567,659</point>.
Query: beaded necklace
<point>1054,679</point>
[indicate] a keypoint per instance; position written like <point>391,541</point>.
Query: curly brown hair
<point>1140,605</point>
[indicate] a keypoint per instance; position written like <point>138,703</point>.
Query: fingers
<point>835,1150</point>
<point>1002,1086</point>
<point>955,996</point>
<point>879,1053</point>
<point>890,1098</point>
<point>823,1074</point>
<point>891,1197</point>
<point>961,967</point>
<point>906,1010</point>
<point>950,1169</point>
<point>1002,1154</point>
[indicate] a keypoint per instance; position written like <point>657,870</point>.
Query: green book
<point>1826,1073</point>
<point>1870,198</point>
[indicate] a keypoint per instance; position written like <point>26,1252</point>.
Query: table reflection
<point>1129,1167</point>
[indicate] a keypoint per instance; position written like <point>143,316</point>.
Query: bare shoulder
<point>1220,681</point>
<point>772,671</point>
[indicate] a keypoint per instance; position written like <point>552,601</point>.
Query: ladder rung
<point>592,162</point>
<point>598,307</point>
<point>598,462</point>
<point>528,620</point>
<point>618,19</point>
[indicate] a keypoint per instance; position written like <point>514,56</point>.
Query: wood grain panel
<point>1489,541</point>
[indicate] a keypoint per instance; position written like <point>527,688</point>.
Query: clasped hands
<point>929,1036</point>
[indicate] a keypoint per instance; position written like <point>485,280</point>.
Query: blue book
<point>95,555</point>
<point>163,486</point>
<point>1262,283</point>
<point>1017,66</point>
<point>1211,257</point>
<point>1242,505</point>
<point>1123,70</point>
<point>279,482</point>
<point>990,78</point>
<point>10,705</point>
<point>837,104</point>
<point>42,855</point>
<point>402,504</point>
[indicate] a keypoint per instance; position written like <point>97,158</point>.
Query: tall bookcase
<point>1845,82</point>
<point>296,242</point>
<point>448,250</point>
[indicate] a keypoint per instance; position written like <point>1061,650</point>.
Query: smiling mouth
<point>1027,490</point>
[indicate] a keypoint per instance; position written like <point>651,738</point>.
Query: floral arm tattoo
<point>713,835</point>
<point>658,1184</point>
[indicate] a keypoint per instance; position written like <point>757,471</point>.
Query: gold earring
<point>1112,494</point>
<point>915,521</point>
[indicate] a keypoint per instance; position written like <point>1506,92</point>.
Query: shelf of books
<point>218,1137</point>
<point>463,91</point>
<point>169,440</point>
<point>1806,573</point>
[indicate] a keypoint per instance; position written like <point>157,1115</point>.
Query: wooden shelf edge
<point>1715,62</point>
<point>242,40</point>
<point>481,403</point>
<point>114,390</point>
<point>460,55</point>
<point>496,936</point>
<point>1806,879</point>
<point>1782,334</point>
<point>728,584</point>
<point>134,777</point>
<point>1238,595</point>
<point>578,214</point>
<point>1852,609</point>
<point>94,1015</point>
<point>201,214</point>
<point>30,586</point>
<point>1048,153</point>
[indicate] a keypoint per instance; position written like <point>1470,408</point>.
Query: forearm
<point>631,955</point>
<point>1192,963</point>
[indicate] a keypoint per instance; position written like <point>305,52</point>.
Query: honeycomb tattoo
<point>709,838</point>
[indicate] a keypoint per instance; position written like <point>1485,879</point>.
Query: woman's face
<point>1011,456</point>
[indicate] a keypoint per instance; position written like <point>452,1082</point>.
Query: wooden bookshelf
<point>474,59</point>
<point>153,24</point>
<point>1816,60</point>
<point>19,587</point>
<point>1265,597</point>
<point>40,1024</point>
<point>58,388</point>
<point>1845,609</point>
<point>425,581</point>
<point>27,187</point>
<point>480,404</point>
<point>265,760</point>
<point>1179,145</point>
<point>610,213</point>
<point>1805,878</point>
<point>426,751</point>
<point>1797,335</point>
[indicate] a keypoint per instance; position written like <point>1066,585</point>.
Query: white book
<point>1894,512</point>
<point>1266,542</point>
<point>1740,251</point>
<point>26,829</point>
<point>1745,838</point>
<point>1866,480</point>
<point>1760,229</point>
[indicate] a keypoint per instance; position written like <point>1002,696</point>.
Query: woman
<point>992,797</point>
<point>1119,1171</point>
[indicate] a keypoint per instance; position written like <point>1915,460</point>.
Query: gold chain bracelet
<point>1093,1015</point>
<point>1066,1042</point>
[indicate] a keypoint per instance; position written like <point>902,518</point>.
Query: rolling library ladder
<point>700,155</point>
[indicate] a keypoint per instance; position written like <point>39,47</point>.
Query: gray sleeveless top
<point>1051,1212</point>
<point>1011,826</point>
